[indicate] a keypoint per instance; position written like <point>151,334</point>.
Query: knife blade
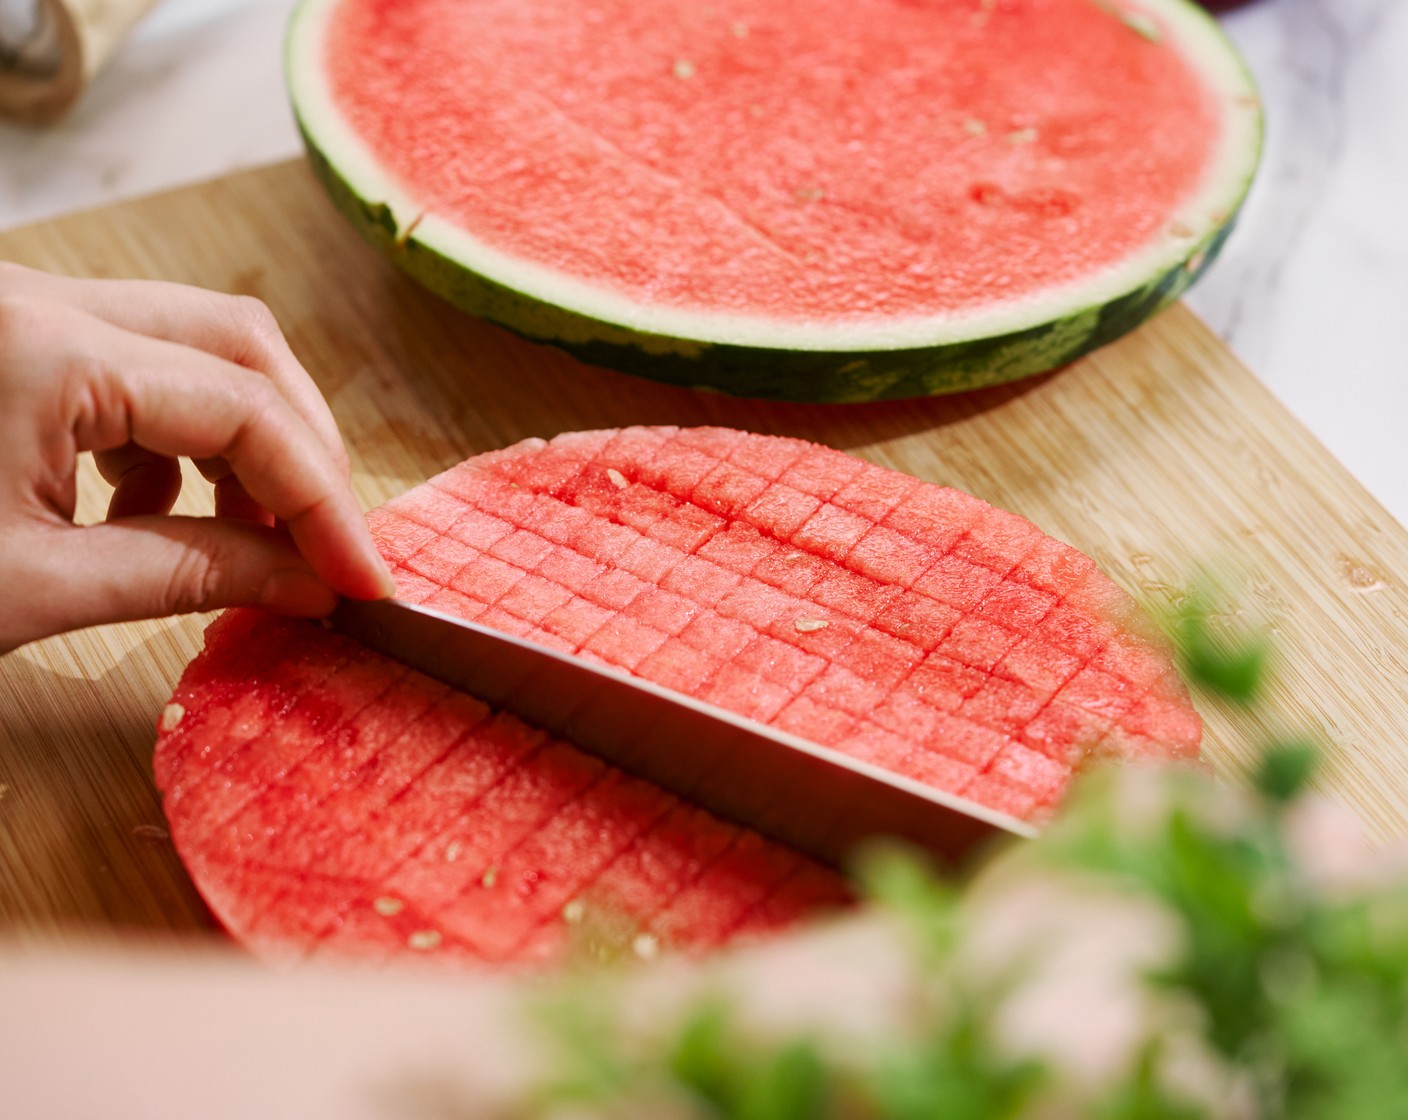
<point>818,800</point>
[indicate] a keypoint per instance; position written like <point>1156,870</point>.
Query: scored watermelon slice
<point>328,801</point>
<point>805,199</point>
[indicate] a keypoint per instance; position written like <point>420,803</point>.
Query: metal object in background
<point>51,49</point>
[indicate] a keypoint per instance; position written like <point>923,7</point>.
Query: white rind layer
<point>1187,229</point>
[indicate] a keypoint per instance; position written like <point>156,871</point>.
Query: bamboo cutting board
<point>1158,456</point>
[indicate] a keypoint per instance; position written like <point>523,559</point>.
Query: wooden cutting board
<point>1159,456</point>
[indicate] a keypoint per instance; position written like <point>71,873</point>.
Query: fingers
<point>155,483</point>
<point>143,482</point>
<point>143,375</point>
<point>233,500</point>
<point>187,403</point>
<point>239,329</point>
<point>174,401</point>
<point>148,567</point>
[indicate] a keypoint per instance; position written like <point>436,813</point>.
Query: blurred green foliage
<point>1293,987</point>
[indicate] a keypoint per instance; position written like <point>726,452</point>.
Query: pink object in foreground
<point>327,801</point>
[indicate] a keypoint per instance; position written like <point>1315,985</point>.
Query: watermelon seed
<point>490,876</point>
<point>807,625</point>
<point>171,717</point>
<point>739,29</point>
<point>793,557</point>
<point>453,850</point>
<point>809,194</point>
<point>646,946</point>
<point>1179,230</point>
<point>424,939</point>
<point>1022,136</point>
<point>684,69</point>
<point>388,907</point>
<point>618,480</point>
<point>574,912</point>
<point>974,127</point>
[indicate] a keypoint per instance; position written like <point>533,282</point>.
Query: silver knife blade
<point>815,799</point>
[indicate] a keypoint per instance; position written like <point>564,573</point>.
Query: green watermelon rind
<point>776,372</point>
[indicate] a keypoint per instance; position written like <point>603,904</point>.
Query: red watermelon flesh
<point>331,803</point>
<point>788,171</point>
<point>327,801</point>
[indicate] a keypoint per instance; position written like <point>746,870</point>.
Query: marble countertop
<point>1310,291</point>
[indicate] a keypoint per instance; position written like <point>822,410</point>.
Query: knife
<point>818,800</point>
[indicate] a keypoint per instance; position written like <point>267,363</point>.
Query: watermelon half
<point>801,199</point>
<point>327,801</point>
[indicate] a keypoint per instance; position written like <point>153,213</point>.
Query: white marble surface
<point>1311,292</point>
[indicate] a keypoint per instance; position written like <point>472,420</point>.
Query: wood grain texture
<point>1158,456</point>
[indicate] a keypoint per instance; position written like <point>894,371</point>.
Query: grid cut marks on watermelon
<point>437,827</point>
<point>905,623</point>
<point>874,573</point>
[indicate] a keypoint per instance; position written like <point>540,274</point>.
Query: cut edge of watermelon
<point>765,358</point>
<point>590,312</point>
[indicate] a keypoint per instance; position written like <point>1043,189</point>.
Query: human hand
<point>141,373</point>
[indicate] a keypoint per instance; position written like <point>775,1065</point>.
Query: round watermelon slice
<point>328,801</point>
<point>804,199</point>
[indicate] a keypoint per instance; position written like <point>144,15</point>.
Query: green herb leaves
<point>1228,666</point>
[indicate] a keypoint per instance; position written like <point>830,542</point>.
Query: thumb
<point>67,577</point>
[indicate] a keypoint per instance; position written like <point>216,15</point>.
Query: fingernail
<point>298,593</point>
<point>385,581</point>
